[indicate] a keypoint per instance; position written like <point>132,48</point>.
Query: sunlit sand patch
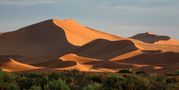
<point>15,66</point>
<point>157,67</point>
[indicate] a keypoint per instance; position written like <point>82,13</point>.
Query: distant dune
<point>156,39</point>
<point>55,45</point>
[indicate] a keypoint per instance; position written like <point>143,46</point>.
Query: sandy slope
<point>64,45</point>
<point>14,66</point>
<point>76,58</point>
<point>167,60</point>
<point>80,35</point>
<point>169,42</point>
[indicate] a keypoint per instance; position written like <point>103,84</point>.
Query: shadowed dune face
<point>109,65</point>
<point>38,39</point>
<point>55,45</point>
<point>5,58</point>
<point>154,57</point>
<point>168,61</point>
<point>104,49</point>
<point>56,63</point>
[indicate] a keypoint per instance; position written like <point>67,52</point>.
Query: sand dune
<point>14,66</point>
<point>156,39</point>
<point>55,45</point>
<point>150,37</point>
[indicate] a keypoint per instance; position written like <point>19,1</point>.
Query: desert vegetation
<point>75,80</point>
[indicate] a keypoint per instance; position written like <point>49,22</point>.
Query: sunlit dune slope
<point>80,35</point>
<point>14,66</point>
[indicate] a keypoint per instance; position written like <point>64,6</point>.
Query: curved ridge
<point>79,35</point>
<point>15,66</point>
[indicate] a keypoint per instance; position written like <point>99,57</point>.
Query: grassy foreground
<point>75,80</point>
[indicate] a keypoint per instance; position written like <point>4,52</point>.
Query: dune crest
<point>15,66</point>
<point>79,35</point>
<point>150,37</point>
<point>76,58</point>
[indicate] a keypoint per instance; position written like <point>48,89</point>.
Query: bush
<point>12,86</point>
<point>95,86</point>
<point>114,81</point>
<point>24,82</point>
<point>9,86</point>
<point>76,80</point>
<point>140,72</point>
<point>36,88</point>
<point>135,82</point>
<point>125,71</point>
<point>177,72</point>
<point>56,85</point>
<point>6,77</point>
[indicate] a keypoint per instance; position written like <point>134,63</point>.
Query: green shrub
<point>12,86</point>
<point>56,85</point>
<point>36,88</point>
<point>177,72</point>
<point>95,78</point>
<point>95,86</point>
<point>135,82</point>
<point>24,82</point>
<point>6,77</point>
<point>9,86</point>
<point>76,80</point>
<point>114,81</point>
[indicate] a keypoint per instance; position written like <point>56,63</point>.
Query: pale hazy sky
<point>120,17</point>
